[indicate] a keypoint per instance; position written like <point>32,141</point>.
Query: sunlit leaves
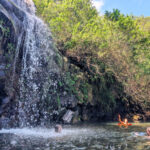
<point>121,42</point>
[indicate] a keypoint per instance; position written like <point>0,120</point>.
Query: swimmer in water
<point>148,131</point>
<point>143,134</point>
<point>58,128</point>
<point>123,123</point>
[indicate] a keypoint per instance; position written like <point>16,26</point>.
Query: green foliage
<point>144,23</point>
<point>5,31</point>
<point>59,60</point>
<point>70,81</point>
<point>114,16</point>
<point>69,45</point>
<point>115,43</point>
<point>6,42</point>
<point>41,5</point>
<point>10,47</point>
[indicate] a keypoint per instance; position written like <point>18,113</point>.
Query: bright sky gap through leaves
<point>134,7</point>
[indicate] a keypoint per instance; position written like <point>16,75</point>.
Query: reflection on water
<point>84,137</point>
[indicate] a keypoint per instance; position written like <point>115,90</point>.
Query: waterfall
<point>37,65</point>
<point>26,5</point>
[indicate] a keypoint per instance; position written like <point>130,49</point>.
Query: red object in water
<point>123,123</point>
<point>129,124</point>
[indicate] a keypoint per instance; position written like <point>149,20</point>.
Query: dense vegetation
<point>144,23</point>
<point>115,44</point>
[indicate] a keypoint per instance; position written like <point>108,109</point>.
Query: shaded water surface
<point>84,137</point>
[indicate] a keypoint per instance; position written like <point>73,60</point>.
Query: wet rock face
<point>68,116</point>
<point>30,69</point>
<point>12,12</point>
<point>2,89</point>
<point>7,43</point>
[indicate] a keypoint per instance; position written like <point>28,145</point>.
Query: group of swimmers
<point>125,124</point>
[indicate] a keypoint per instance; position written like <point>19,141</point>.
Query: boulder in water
<point>68,116</point>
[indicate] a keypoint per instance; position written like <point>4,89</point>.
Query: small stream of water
<point>107,136</point>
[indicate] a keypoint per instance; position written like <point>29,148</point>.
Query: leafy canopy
<point>121,42</point>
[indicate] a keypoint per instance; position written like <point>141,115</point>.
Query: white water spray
<point>38,54</point>
<point>26,5</point>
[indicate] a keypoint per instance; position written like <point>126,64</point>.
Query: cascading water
<point>38,64</point>
<point>26,5</point>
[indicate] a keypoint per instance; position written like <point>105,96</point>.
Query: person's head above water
<point>58,128</point>
<point>125,120</point>
<point>148,131</point>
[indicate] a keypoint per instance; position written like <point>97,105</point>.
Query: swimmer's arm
<point>119,118</point>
